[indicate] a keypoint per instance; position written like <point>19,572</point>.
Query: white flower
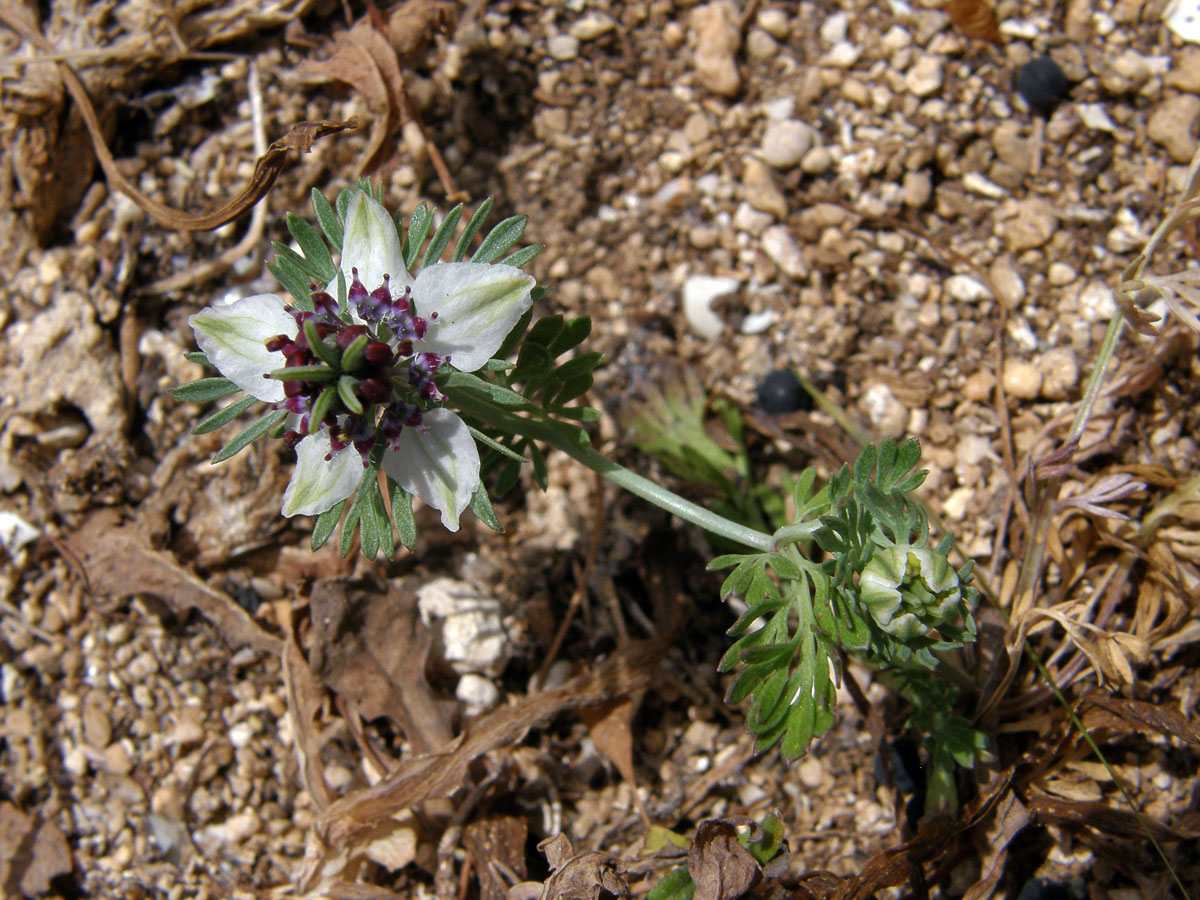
<point>394,334</point>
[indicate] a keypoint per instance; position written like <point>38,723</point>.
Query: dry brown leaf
<point>1105,819</point>
<point>585,876</point>
<point>628,670</point>
<point>610,727</point>
<point>1134,716</point>
<point>1011,818</point>
<point>975,19</point>
<point>370,646</point>
<point>118,561</point>
<point>304,700</point>
<point>721,868</point>
<point>371,62</point>
<point>32,853</point>
<point>362,58</point>
<point>497,848</point>
<point>413,24</point>
<point>300,137</point>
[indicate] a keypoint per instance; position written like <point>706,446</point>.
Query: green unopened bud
<point>352,356</point>
<point>345,387</point>
<point>910,590</point>
<point>327,353</point>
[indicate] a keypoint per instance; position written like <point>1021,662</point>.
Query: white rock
<point>1094,116</point>
<point>965,289</point>
<point>780,247</point>
<point>699,293</point>
<point>592,26</point>
<point>954,507</point>
<point>748,219</point>
<point>925,77</point>
<point>1022,334</point>
<point>1021,379</point>
<point>835,28</point>
<point>1060,373</point>
<point>760,45</point>
<point>978,184</point>
<point>757,323</point>
<point>1127,236</point>
<point>15,533</point>
<point>1096,302</point>
<point>972,449</point>
<point>887,414</point>
<point>779,108</point>
<point>563,47</point>
<point>476,693</point>
<point>774,22</point>
<point>471,625</point>
<point>841,55</point>
<point>1010,287</point>
<point>786,141</point>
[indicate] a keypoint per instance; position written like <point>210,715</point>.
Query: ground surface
<point>185,699</point>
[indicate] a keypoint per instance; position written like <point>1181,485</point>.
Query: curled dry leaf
<point>350,819</point>
<point>118,561</point>
<point>721,868</point>
<point>33,853</point>
<point>370,646</point>
<point>371,61</point>
<point>1135,716</point>
<point>497,847</point>
<point>975,19</point>
<point>583,876</point>
<point>300,138</point>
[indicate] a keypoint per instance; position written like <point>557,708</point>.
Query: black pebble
<point>780,392</point>
<point>1042,84</point>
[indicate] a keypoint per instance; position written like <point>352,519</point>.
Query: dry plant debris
<point>191,706</point>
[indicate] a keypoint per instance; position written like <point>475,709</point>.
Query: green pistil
<point>321,408</point>
<point>353,355</point>
<point>345,388</point>
<point>305,373</point>
<point>327,353</point>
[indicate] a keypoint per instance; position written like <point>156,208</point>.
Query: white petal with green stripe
<point>234,339</point>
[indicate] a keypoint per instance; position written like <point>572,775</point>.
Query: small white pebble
<point>1060,373</point>
<point>1021,379</point>
<point>954,507</point>
<point>774,22</point>
<point>699,293</point>
<point>1096,302</point>
<point>563,47</point>
<point>476,693</point>
<point>965,289</point>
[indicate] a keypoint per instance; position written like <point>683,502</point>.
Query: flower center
<point>359,382</point>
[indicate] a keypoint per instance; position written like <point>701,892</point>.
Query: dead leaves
<point>370,646</point>
<point>371,60</point>
<point>721,868</point>
<point>349,823</point>
<point>975,19</point>
<point>118,561</point>
<point>299,138</point>
<point>33,853</point>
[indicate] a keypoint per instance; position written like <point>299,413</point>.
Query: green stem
<point>557,436</point>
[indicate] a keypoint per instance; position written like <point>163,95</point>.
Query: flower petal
<point>477,304</point>
<point>318,483</point>
<point>234,339</point>
<point>440,465</point>
<point>371,244</point>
